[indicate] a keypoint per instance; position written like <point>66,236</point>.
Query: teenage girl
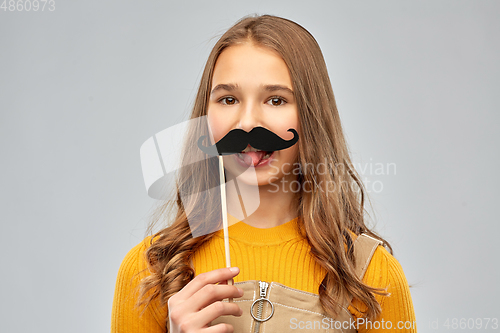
<point>307,239</point>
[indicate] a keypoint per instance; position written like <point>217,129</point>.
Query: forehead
<point>249,65</point>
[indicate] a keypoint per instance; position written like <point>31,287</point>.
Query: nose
<point>250,117</point>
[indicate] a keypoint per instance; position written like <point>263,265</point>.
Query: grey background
<point>82,87</point>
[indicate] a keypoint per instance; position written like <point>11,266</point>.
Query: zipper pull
<point>263,288</point>
<point>262,293</point>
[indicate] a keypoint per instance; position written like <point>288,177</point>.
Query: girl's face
<point>252,87</point>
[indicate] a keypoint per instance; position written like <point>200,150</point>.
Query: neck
<point>275,206</point>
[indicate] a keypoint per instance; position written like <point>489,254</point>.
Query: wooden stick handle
<point>224,218</point>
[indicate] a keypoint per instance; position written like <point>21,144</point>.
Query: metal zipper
<point>263,291</point>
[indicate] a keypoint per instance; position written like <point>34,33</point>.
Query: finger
<point>201,280</point>
<point>223,282</point>
<point>212,293</point>
<point>217,309</point>
<point>220,328</point>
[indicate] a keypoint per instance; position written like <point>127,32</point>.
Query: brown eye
<point>229,100</point>
<point>277,101</point>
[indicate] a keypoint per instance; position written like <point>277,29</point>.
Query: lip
<point>261,164</point>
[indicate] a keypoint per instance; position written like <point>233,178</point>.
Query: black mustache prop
<point>237,140</point>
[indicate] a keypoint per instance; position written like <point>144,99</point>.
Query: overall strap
<point>364,247</point>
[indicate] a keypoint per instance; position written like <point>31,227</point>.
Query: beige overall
<point>278,308</point>
<point>284,309</point>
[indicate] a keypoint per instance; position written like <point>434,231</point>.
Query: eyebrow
<point>268,87</point>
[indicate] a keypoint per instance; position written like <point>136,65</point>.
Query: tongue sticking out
<point>253,157</point>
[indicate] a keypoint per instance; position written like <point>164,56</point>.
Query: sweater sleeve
<point>125,317</point>
<point>398,315</point>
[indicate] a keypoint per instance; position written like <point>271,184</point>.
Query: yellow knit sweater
<point>272,254</point>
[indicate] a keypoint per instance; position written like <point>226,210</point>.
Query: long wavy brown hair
<point>325,216</point>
